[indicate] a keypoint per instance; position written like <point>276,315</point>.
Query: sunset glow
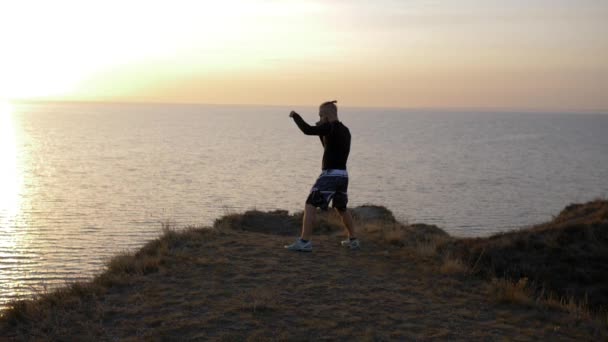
<point>490,54</point>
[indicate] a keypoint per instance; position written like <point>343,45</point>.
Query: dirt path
<point>239,285</point>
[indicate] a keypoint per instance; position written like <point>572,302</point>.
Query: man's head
<point>328,112</point>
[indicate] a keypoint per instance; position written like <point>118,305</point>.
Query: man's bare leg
<point>347,220</point>
<point>310,214</point>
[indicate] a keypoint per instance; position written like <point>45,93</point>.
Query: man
<point>332,184</point>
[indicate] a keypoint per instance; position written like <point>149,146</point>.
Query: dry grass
<point>423,240</point>
<point>522,293</point>
<point>567,256</point>
<point>208,284</point>
<point>505,291</point>
<point>259,301</point>
<point>454,266</point>
<point>577,309</point>
<point>120,271</point>
<point>431,247</point>
<point>393,234</point>
<point>426,249</point>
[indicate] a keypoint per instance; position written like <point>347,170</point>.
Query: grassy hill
<point>234,281</point>
<point>565,259</point>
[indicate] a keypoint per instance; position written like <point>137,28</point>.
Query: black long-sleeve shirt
<point>335,138</point>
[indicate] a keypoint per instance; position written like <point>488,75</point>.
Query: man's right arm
<point>307,129</point>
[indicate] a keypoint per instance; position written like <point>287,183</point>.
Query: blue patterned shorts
<point>331,186</point>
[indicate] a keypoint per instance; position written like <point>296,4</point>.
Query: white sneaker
<point>352,244</point>
<point>300,246</point>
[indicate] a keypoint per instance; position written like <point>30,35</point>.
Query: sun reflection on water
<point>11,179</point>
<point>10,176</point>
<point>11,183</point>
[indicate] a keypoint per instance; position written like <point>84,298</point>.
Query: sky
<point>524,55</point>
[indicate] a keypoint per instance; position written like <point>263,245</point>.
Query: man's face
<point>323,116</point>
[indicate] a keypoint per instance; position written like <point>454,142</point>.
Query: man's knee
<point>317,200</point>
<point>341,211</point>
<point>340,201</point>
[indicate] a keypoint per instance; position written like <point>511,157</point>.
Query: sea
<point>81,182</point>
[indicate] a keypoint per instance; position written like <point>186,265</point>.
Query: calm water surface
<point>81,182</point>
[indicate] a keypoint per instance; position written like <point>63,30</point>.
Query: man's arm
<point>307,129</point>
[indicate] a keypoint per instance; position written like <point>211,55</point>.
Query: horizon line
<point>419,108</point>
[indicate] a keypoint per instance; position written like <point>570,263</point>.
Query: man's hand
<point>292,114</point>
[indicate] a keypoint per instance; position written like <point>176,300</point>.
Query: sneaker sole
<point>297,250</point>
<point>300,250</point>
<point>349,246</point>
